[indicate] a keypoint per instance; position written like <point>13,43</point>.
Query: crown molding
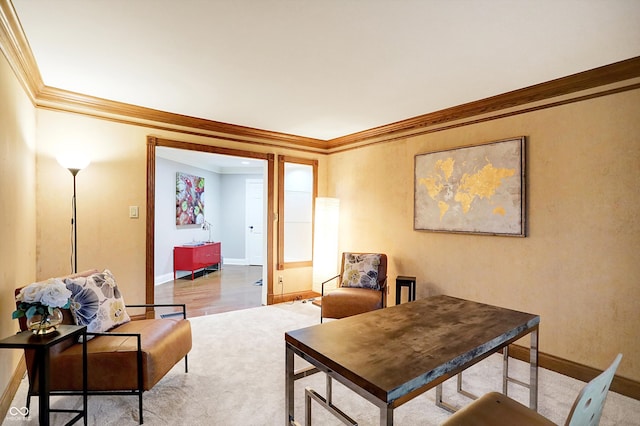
<point>65,100</point>
<point>15,46</point>
<point>597,77</point>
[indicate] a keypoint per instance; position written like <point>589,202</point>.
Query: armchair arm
<point>330,279</point>
<point>162,305</point>
<point>383,284</point>
<point>384,290</point>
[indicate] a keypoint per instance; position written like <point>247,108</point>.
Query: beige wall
<point>17,205</point>
<point>578,268</point>
<point>115,180</point>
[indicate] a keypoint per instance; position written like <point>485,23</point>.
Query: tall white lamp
<point>74,162</point>
<point>325,241</point>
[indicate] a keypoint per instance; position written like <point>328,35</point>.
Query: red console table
<point>194,257</point>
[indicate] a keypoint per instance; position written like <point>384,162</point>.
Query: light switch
<point>133,212</point>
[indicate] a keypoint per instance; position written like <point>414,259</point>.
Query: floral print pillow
<point>361,270</point>
<point>96,302</point>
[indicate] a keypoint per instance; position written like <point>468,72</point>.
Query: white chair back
<point>587,408</point>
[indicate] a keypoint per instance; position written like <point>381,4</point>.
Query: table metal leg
<point>505,370</point>
<point>533,362</point>
<point>289,387</point>
<point>443,404</point>
<point>506,379</point>
<point>307,406</point>
<point>310,394</point>
<point>290,378</point>
<point>533,372</point>
<point>461,390</point>
<point>386,416</point>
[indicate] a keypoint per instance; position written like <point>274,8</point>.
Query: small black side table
<point>405,281</point>
<point>41,344</point>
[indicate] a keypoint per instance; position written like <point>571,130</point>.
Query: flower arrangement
<point>42,298</point>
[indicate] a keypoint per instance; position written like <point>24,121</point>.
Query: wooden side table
<point>41,344</point>
<point>405,281</point>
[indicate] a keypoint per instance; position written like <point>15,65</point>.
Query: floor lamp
<point>74,164</point>
<point>325,241</point>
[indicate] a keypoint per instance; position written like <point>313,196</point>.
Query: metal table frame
<point>41,344</point>
<point>387,404</point>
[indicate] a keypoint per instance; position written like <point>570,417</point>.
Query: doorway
<point>267,203</point>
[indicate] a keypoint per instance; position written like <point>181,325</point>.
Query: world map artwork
<point>474,189</point>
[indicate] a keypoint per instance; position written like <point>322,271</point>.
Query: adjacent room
<point>351,212</point>
<point>229,220</point>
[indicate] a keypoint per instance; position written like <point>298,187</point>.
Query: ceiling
<point>319,69</point>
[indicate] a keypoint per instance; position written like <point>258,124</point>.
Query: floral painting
<point>189,199</point>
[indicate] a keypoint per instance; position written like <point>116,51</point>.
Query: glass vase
<point>43,324</point>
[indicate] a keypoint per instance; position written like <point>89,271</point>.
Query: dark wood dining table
<point>392,355</point>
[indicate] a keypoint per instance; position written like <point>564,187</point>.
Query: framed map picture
<point>476,189</point>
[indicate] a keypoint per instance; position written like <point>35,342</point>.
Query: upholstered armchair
<point>125,355</point>
<point>361,286</point>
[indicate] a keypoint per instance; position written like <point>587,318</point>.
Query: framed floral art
<point>189,199</point>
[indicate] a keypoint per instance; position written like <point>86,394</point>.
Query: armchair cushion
<point>345,301</point>
<point>97,302</point>
<point>112,359</point>
<point>361,270</point>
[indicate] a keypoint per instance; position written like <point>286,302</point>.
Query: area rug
<point>236,377</point>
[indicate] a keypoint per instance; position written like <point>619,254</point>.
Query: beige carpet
<point>236,377</point>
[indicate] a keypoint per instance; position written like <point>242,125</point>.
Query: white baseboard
<point>165,278</point>
<point>161,279</point>
<point>242,262</point>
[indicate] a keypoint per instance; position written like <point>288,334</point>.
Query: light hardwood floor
<point>232,288</point>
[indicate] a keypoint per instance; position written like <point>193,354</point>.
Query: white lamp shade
<point>325,241</point>
<point>73,160</point>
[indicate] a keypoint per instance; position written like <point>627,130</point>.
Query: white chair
<point>498,409</point>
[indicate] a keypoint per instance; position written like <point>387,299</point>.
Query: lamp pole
<point>74,162</point>
<point>74,222</point>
